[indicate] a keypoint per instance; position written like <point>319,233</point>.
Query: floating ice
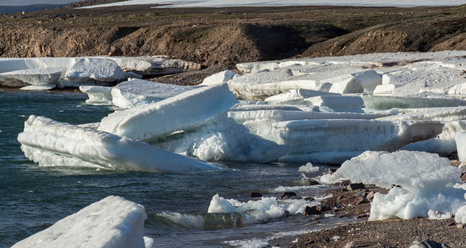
<point>330,141</point>
<point>184,111</point>
<point>444,144</point>
<point>266,209</point>
<point>41,78</point>
<point>343,79</point>
<point>98,95</point>
<point>426,183</point>
<point>89,71</point>
<point>431,114</point>
<point>219,78</point>
<point>460,139</point>
<point>154,65</point>
<point>112,222</point>
<point>51,143</point>
<point>223,139</point>
<point>138,92</point>
<point>411,79</point>
<point>339,103</point>
<point>295,96</point>
<point>384,103</point>
<point>309,168</point>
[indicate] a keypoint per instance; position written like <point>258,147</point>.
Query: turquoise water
<point>32,198</point>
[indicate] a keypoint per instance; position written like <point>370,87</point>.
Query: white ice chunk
<point>344,103</point>
<point>39,87</point>
<point>219,78</point>
<point>309,168</point>
<point>359,82</point>
<point>51,143</point>
<point>189,109</point>
<point>259,85</point>
<point>444,144</point>
<point>154,65</point>
<point>16,64</point>
<point>98,95</point>
<point>36,77</point>
<point>459,89</point>
<point>432,114</point>
<point>384,89</point>
<point>349,137</point>
<point>460,139</point>
<point>460,216</point>
<point>387,102</point>
<point>139,92</point>
<point>258,211</point>
<point>436,215</point>
<point>414,78</point>
<point>112,222</point>
<point>426,183</point>
<point>295,96</point>
<point>223,139</point>
<point>89,71</point>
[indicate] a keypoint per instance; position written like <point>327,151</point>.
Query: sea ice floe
<point>424,182</point>
<point>444,114</point>
<point>309,168</point>
<point>90,71</point>
<point>411,79</point>
<point>98,95</point>
<point>387,102</point>
<point>52,143</point>
<point>333,78</point>
<point>38,78</point>
<point>111,222</point>
<point>154,65</point>
<point>331,141</point>
<point>295,96</point>
<point>138,92</point>
<point>187,110</point>
<point>222,139</point>
<point>460,139</point>
<point>346,103</point>
<point>219,78</point>
<point>262,210</point>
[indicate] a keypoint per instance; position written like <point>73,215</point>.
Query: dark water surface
<point>32,198</point>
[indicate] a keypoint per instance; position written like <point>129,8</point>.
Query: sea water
<point>32,198</point>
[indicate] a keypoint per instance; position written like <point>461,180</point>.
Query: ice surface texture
<point>181,112</point>
<point>112,222</point>
<point>51,143</point>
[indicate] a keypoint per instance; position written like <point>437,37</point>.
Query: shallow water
<point>32,198</point>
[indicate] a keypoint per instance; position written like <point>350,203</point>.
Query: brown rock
<point>355,186</point>
<point>370,196</point>
<point>311,210</point>
<point>359,200</point>
<point>288,195</point>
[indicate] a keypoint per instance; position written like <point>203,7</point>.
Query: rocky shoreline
<point>354,201</point>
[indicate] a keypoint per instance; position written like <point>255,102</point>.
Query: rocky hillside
<point>224,37</point>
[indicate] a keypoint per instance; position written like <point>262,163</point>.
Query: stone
<point>313,182</point>
<point>356,244</point>
<point>359,200</point>
<point>311,210</point>
<point>288,195</point>
<point>255,194</point>
<point>370,196</point>
<point>428,244</point>
<point>463,177</point>
<point>355,186</point>
<point>331,171</point>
